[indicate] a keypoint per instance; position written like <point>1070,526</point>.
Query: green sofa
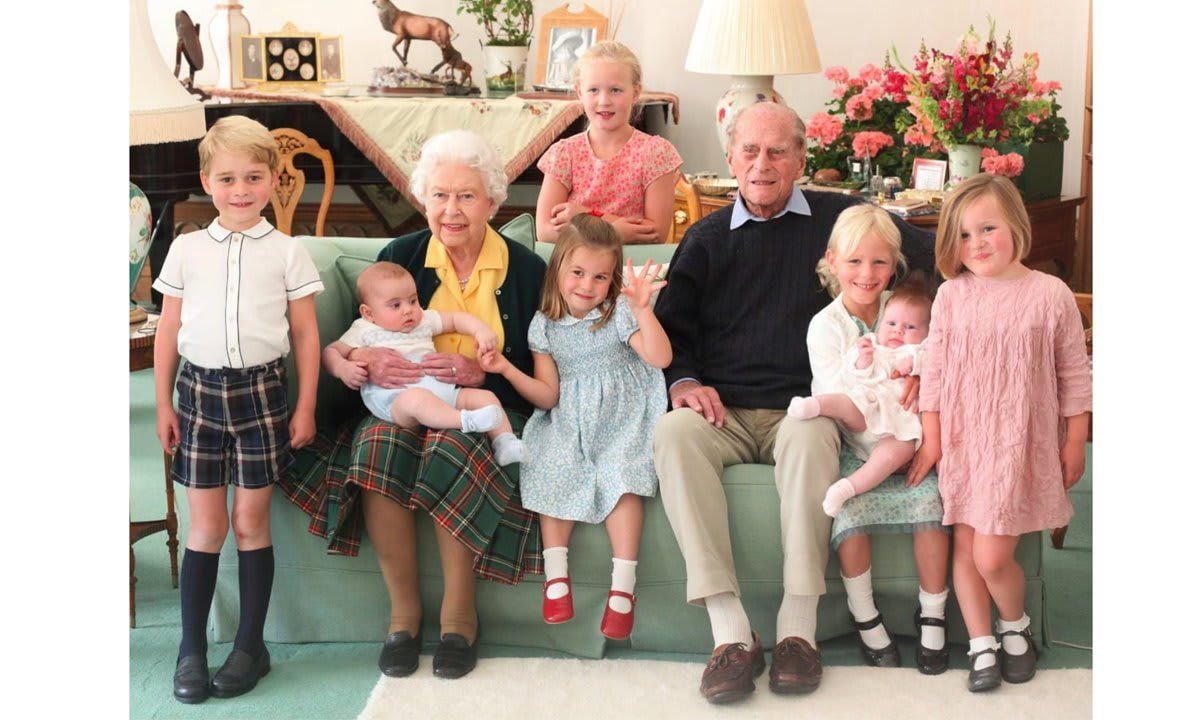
<point>322,598</point>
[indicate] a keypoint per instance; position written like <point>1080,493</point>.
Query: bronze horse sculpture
<point>409,26</point>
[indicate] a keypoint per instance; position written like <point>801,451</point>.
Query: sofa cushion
<point>522,229</point>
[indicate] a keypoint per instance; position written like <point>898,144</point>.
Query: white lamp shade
<point>753,37</point>
<point>160,109</point>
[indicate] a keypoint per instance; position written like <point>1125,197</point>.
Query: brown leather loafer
<point>731,670</point>
<point>795,667</point>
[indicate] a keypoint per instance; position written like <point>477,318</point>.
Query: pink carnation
<point>1009,165</point>
<point>837,74</point>
<point>858,107</point>
<point>824,128</point>
<point>870,73</point>
<point>870,142</point>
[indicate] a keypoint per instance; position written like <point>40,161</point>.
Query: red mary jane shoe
<point>560,610</point>
<point>617,625</point>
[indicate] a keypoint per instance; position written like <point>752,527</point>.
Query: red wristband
<point>596,213</point>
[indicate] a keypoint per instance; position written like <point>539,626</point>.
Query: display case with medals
<point>288,58</point>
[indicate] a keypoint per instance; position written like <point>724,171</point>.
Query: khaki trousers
<point>689,455</point>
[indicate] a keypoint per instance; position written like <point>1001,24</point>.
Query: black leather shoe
<point>454,657</point>
<point>400,654</point>
<point>240,673</point>
<point>191,679</point>
<point>887,656</point>
<point>1019,668</point>
<point>931,662</point>
<point>982,680</point>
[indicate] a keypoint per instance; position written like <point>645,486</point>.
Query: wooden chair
<point>287,194</point>
<point>1084,302</point>
<point>683,218</point>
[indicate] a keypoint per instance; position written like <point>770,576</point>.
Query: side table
<point>141,356</point>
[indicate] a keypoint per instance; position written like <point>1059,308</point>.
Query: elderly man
<point>741,292</point>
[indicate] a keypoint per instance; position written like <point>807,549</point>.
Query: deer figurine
<point>453,60</point>
<point>410,26</point>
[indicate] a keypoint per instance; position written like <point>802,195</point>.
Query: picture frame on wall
<point>563,36</point>
<point>929,174</point>
<point>252,52</point>
<point>329,58</point>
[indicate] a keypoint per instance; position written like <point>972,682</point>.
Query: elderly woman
<point>459,264</point>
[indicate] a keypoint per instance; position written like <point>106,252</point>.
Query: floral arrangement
<point>868,117</point>
<point>1008,165</point>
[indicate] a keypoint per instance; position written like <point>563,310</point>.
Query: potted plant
<point>1038,138</point>
<point>508,25</point>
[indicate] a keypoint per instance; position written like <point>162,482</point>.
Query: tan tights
<point>392,530</point>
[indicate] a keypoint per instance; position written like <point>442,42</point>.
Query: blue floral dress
<point>595,445</point>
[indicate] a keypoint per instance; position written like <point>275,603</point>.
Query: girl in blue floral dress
<point>598,354</point>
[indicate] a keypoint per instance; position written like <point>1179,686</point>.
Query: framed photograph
<point>563,36</point>
<point>329,58</point>
<point>929,174</point>
<point>251,56</point>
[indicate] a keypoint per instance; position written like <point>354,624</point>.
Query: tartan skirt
<point>446,473</point>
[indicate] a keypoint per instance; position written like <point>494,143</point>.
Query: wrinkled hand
<point>701,398</point>
<point>302,428</point>
<point>1073,458</point>
<point>388,368</point>
<point>636,230</point>
<point>562,213</point>
<point>641,288</point>
<point>352,373</point>
<point>493,361</point>
<point>904,366</point>
<point>167,428</point>
<point>485,340</point>
<point>923,461</point>
<point>454,369</point>
<point>911,391</point>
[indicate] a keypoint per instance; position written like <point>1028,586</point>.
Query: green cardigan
<point>518,298</point>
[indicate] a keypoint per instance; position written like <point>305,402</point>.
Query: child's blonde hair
<point>595,234</point>
<point>854,224</point>
<point>609,51</point>
<point>947,250</point>
<point>239,134</point>
<point>376,272</point>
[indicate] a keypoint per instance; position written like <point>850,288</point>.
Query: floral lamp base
<point>140,229</point>
<point>744,91</point>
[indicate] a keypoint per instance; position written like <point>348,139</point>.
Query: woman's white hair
<point>462,147</point>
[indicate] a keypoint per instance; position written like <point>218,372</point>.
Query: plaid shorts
<point>233,426</point>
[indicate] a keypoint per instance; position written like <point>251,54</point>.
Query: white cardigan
<point>832,334</point>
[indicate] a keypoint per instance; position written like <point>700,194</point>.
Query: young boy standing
<point>231,294</point>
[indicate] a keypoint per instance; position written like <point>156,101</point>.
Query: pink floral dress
<point>1005,364</point>
<point>616,185</point>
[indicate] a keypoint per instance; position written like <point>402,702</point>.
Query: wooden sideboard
<point>1053,223</point>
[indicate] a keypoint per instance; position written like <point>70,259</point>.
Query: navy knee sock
<point>197,581</point>
<point>256,573</point>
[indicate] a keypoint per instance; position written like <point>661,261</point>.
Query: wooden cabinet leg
<point>132,580</point>
<point>1057,535</point>
<point>172,523</point>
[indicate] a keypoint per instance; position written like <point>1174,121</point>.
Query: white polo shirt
<point>235,288</point>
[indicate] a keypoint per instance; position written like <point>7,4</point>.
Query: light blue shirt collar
<point>795,204</point>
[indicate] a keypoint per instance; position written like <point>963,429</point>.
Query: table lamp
<point>165,123</point>
<point>752,40</point>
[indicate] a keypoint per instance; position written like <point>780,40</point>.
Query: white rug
<point>501,688</point>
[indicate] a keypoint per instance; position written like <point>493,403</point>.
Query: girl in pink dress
<point>1005,396</point>
<point>611,170</point>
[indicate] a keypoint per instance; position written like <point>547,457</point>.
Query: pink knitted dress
<point>1005,363</point>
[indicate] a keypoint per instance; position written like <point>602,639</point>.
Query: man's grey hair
<point>462,147</point>
<point>797,133</point>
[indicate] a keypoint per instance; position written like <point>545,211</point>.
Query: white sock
<point>983,643</point>
<point>861,598</point>
<point>837,494</point>
<point>804,408</point>
<point>624,577</point>
<point>1014,644</point>
<point>556,567</point>
<point>797,618</point>
<point>728,619</point>
<point>481,420</point>
<point>508,449</point>
<point>934,606</point>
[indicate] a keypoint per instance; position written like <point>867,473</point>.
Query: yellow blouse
<point>479,295</point>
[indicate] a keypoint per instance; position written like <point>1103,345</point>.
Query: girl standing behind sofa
<point>611,170</point>
<point>598,354</point>
<point>1006,383</point>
